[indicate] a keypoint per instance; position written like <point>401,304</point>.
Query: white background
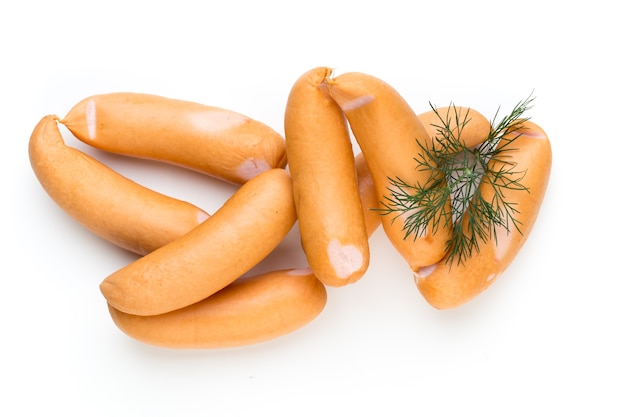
<point>546,339</point>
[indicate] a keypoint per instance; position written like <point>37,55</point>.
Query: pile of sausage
<point>180,293</point>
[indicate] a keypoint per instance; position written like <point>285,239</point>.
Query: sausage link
<point>250,224</point>
<point>250,310</point>
<point>215,141</point>
<point>386,128</point>
<point>466,124</point>
<point>447,286</point>
<point>322,167</point>
<point>106,203</point>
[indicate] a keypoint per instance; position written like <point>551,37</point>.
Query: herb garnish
<point>455,173</point>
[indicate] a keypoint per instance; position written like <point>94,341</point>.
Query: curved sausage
<point>250,224</point>
<point>106,203</point>
<point>447,286</point>
<point>322,167</point>
<point>466,124</point>
<point>250,310</point>
<point>218,142</point>
<point>386,128</point>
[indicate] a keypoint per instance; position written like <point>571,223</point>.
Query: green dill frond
<point>455,175</point>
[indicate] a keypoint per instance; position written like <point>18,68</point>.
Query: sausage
<point>385,127</point>
<point>250,310</point>
<point>466,124</point>
<point>322,167</point>
<point>108,204</point>
<point>215,141</point>
<point>250,224</point>
<point>447,286</point>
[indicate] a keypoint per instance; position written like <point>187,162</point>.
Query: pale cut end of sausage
<point>301,271</point>
<point>90,118</point>
<point>534,133</point>
<point>215,120</point>
<point>345,259</point>
<point>347,98</point>
<point>252,167</point>
<point>424,272</point>
<point>202,216</point>
<point>348,104</point>
<point>492,277</point>
<point>501,243</point>
<point>82,119</point>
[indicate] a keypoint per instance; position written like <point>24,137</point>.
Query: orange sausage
<point>386,129</point>
<point>322,167</point>
<point>466,124</point>
<point>248,311</point>
<point>250,224</point>
<point>447,286</point>
<point>218,142</point>
<point>112,206</point>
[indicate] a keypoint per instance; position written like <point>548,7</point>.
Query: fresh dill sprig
<point>451,195</point>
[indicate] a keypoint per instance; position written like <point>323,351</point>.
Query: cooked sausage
<point>250,224</point>
<point>386,128</point>
<point>106,203</point>
<point>215,141</point>
<point>248,311</point>
<point>450,285</point>
<point>326,193</point>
